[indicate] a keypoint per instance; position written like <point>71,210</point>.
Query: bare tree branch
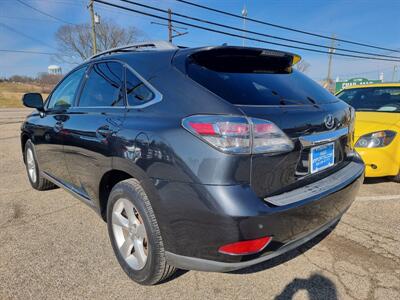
<point>75,41</point>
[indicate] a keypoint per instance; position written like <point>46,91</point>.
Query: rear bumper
<point>195,220</point>
<point>192,263</point>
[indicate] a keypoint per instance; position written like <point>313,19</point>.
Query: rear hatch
<point>263,84</point>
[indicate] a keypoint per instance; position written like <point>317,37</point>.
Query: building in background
<point>355,81</point>
<point>54,70</point>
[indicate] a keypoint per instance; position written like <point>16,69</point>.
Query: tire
<point>135,235</point>
<point>36,180</point>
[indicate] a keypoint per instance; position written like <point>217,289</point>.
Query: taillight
<point>228,133</point>
<point>236,134</point>
<point>268,138</point>
<point>245,247</point>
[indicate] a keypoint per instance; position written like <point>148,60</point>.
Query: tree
<point>44,78</point>
<point>75,41</point>
<point>21,79</point>
<point>303,66</point>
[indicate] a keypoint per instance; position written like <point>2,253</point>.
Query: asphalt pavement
<point>52,246</point>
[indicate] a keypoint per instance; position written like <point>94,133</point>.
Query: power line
<point>162,24</point>
<point>45,13</point>
<point>26,19</point>
<point>285,27</point>
<point>25,35</point>
<point>27,51</point>
<point>256,33</point>
<point>366,72</point>
<point>240,36</point>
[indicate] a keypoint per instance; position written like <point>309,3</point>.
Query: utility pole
<point>244,15</point>
<point>172,29</point>
<point>94,43</point>
<point>394,73</point>
<point>331,51</point>
<point>169,25</point>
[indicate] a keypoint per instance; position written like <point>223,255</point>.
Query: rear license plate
<point>322,157</point>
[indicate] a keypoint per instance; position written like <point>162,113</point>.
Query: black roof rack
<point>153,45</point>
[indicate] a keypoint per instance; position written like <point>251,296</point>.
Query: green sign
<point>354,81</point>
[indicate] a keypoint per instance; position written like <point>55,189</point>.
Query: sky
<point>375,22</point>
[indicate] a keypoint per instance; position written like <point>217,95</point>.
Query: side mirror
<point>33,100</point>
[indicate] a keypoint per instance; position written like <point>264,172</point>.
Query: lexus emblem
<point>329,121</point>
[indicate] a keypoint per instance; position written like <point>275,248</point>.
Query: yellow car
<point>377,127</point>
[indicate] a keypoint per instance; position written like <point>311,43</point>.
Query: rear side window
<point>104,86</point>
<point>136,91</point>
<point>252,84</point>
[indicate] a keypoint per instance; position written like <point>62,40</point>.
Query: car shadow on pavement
<point>376,180</point>
<point>317,287</point>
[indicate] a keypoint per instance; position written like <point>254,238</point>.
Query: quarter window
<point>137,92</point>
<point>64,94</point>
<point>104,86</point>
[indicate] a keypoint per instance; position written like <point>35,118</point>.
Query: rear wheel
<point>36,180</point>
<point>135,235</point>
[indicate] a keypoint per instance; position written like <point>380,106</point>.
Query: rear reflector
<point>203,128</point>
<point>245,247</point>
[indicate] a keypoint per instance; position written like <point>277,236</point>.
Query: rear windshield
<point>288,87</point>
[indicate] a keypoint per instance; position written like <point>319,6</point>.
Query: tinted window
<point>63,96</point>
<point>261,88</point>
<point>104,86</point>
<point>137,92</point>
<point>373,99</point>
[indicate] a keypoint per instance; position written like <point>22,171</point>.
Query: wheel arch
<point>24,138</point>
<point>122,169</point>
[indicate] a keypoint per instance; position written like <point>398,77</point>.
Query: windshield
<point>384,99</point>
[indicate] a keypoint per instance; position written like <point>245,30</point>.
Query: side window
<point>137,92</point>
<point>104,86</point>
<point>63,96</point>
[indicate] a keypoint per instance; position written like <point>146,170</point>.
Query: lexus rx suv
<point>211,158</point>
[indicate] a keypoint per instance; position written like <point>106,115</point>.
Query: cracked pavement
<point>53,246</point>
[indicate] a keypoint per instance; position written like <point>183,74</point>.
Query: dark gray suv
<point>212,158</point>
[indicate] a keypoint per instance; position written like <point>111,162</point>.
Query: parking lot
<point>53,246</point>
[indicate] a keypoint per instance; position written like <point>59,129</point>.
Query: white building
<point>54,69</point>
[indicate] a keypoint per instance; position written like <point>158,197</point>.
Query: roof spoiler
<point>244,59</point>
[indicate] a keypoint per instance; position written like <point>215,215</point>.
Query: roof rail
<point>158,45</point>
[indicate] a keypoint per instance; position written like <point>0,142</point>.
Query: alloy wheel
<point>30,161</point>
<point>130,234</point>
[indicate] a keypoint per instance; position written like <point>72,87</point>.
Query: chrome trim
<point>94,107</point>
<point>322,137</point>
<point>157,95</point>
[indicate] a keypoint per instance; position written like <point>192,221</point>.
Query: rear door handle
<point>104,131</point>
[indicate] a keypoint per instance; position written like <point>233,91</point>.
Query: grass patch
<point>11,93</point>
